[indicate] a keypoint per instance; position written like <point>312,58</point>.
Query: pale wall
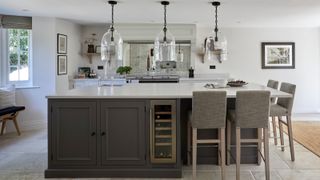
<point>74,58</point>
<point>244,60</point>
<point>44,45</point>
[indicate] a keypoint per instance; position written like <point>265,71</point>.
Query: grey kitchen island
<point>134,130</point>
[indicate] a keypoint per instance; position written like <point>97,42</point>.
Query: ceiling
<point>232,13</point>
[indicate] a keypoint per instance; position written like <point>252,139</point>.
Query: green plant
<point>124,70</point>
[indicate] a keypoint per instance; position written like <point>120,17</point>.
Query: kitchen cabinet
<point>104,138</point>
<point>74,133</point>
<point>123,130</point>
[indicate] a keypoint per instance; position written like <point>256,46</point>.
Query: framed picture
<point>278,55</point>
<point>62,44</point>
<point>98,49</point>
<point>62,64</point>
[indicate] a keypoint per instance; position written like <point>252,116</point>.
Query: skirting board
<point>112,173</point>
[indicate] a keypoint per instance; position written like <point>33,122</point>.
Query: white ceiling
<point>232,13</point>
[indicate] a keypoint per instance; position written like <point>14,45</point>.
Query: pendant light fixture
<point>216,45</point>
<point>164,45</point>
<point>111,47</point>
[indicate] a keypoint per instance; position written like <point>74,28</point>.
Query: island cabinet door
<point>74,140</point>
<point>123,133</point>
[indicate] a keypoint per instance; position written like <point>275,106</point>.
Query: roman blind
<point>15,22</point>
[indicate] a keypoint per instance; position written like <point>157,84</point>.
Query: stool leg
<point>16,125</point>
<point>4,122</point>
<point>266,153</point>
<point>281,133</point>
<point>189,143</point>
<point>290,138</point>
<point>259,145</point>
<point>219,148</point>
<point>228,142</point>
<point>274,130</point>
<point>223,153</point>
<point>238,153</point>
<point>194,153</point>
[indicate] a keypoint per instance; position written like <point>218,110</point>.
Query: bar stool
<point>274,85</point>
<point>252,111</point>
<point>283,107</point>
<point>208,112</point>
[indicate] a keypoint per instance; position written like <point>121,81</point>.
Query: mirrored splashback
<point>139,55</point>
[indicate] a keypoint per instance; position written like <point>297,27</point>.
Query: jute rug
<point>307,133</point>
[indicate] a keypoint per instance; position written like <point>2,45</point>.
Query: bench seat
<point>10,113</point>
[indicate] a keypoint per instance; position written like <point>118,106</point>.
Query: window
<point>16,56</point>
<point>19,56</point>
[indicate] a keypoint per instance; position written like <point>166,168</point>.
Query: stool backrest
<point>209,109</point>
<point>252,109</point>
<point>287,102</point>
<point>274,85</point>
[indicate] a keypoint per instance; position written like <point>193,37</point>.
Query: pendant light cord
<point>165,24</point>
<point>216,22</point>
<point>112,22</point>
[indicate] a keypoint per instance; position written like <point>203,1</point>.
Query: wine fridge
<point>163,131</point>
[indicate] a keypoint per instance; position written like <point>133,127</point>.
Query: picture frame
<point>62,46</point>
<point>278,55</point>
<point>62,65</point>
<point>98,49</point>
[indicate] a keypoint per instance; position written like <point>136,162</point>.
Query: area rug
<point>307,133</point>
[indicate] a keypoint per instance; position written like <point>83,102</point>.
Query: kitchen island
<point>132,130</point>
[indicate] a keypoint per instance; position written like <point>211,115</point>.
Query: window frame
<point>5,64</point>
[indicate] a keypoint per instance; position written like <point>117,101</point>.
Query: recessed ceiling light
<point>25,10</point>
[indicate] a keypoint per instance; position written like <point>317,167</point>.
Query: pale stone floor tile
<point>25,158</point>
<point>260,175</point>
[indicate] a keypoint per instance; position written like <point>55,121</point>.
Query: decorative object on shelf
<point>180,54</point>
<point>164,44</point>
<point>278,55</point>
<point>98,49</point>
<point>111,47</point>
<point>62,65</point>
<point>62,44</point>
<point>84,72</point>
<point>191,73</point>
<point>215,47</point>
<point>91,41</point>
<point>124,70</point>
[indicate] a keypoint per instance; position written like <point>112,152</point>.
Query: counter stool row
<point>209,111</point>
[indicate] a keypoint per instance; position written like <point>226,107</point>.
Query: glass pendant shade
<point>216,49</point>
<point>111,52</point>
<point>165,47</point>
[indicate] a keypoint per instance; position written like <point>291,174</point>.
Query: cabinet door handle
<point>103,133</point>
<point>93,133</point>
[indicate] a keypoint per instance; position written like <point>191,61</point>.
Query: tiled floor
<point>24,158</point>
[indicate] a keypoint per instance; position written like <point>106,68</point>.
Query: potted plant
<point>124,70</point>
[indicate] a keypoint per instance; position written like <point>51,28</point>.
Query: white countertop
<point>155,90</point>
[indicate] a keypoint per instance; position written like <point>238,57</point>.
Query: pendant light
<point>164,45</point>
<point>216,44</point>
<point>111,47</point>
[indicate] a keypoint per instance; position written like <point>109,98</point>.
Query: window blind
<point>15,22</point>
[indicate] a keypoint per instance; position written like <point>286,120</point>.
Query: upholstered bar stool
<point>274,85</point>
<point>252,111</point>
<point>208,112</point>
<point>283,107</point>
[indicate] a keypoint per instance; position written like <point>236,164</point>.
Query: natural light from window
<point>19,54</point>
